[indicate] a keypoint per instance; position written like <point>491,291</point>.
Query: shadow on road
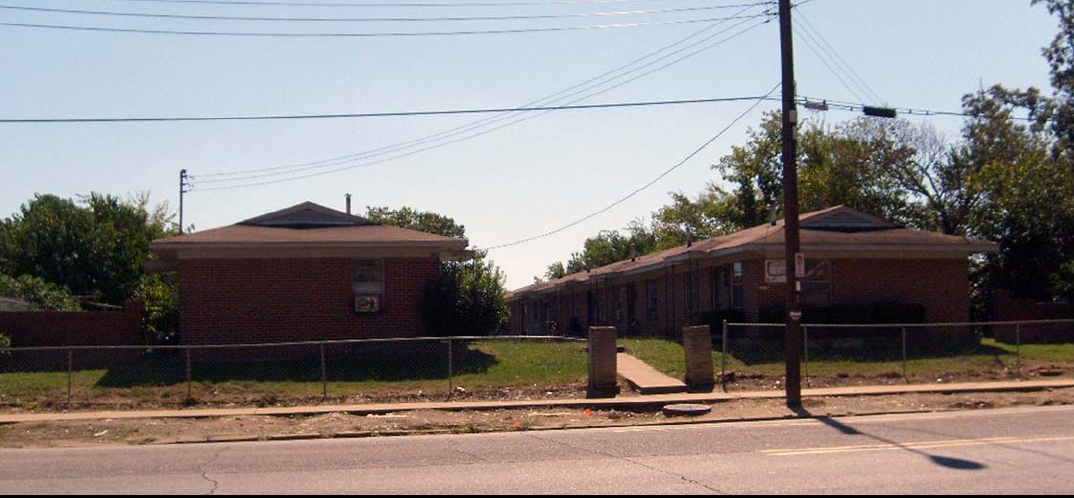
<point>949,462</point>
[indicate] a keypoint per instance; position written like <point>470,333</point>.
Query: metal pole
<point>790,208</point>
<point>805,345</point>
<point>723,357</point>
<point>1018,346</point>
<point>450,369</point>
<point>189,391</point>
<point>904,377</point>
<point>324,374</point>
<point>70,367</point>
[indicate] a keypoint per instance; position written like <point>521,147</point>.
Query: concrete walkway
<point>644,378</point>
<point>621,402</point>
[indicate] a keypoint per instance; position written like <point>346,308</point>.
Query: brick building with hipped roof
<point>860,269</point>
<point>304,273</point>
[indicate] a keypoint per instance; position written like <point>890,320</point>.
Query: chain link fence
<point>264,375</point>
<point>752,356</point>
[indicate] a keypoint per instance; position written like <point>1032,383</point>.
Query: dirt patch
<point>261,428</point>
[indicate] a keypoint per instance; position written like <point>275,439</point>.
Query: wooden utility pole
<point>795,264</point>
<point>182,190</point>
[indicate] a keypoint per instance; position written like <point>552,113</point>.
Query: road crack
<point>632,462</point>
<point>205,470</point>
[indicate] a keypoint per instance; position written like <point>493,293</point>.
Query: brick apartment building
<point>856,263</point>
<point>301,274</point>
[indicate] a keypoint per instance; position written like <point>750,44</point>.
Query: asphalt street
<point>1000,451</point>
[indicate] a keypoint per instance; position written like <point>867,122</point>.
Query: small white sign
<point>775,271</point>
<point>799,265</point>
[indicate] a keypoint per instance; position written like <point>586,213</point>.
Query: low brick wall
<point>1008,309</point>
<point>31,329</point>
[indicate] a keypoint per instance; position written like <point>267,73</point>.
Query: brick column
<point>697,344</point>
<point>603,379</point>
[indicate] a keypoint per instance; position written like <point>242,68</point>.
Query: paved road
<point>991,451</point>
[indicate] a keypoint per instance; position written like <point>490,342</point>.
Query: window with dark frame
<point>738,300</point>
<point>653,308</point>
<point>367,284</point>
<point>691,293</point>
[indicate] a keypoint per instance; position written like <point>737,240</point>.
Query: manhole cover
<point>686,410</point>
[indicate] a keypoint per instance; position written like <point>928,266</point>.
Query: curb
<point>631,402</point>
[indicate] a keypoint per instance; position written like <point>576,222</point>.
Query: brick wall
<point>941,285</point>
<point>74,328</point>
<point>1008,309</point>
<point>229,301</point>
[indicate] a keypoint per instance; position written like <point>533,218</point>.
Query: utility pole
<point>182,190</point>
<point>795,263</point>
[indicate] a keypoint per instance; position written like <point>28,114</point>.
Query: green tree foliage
<point>95,249</point>
<point>607,247</point>
<point>423,221</point>
<point>466,298</point>
<point>41,295</point>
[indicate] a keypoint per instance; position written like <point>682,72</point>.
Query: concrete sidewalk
<point>621,402</point>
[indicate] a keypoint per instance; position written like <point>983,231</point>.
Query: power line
<point>827,47</point>
<point>365,19</point>
<point>378,114</point>
<point>465,130</point>
<point>841,105</point>
<point>263,3</point>
<point>647,185</point>
<point>266,34</point>
<point>829,66</point>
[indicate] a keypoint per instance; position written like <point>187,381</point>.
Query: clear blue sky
<point>506,185</point>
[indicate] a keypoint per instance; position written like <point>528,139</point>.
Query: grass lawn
<point>378,369</point>
<point>767,358</point>
<point>398,371</point>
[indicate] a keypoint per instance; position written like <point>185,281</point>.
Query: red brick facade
<point>941,286</point>
<point>250,301</point>
<point>74,328</point>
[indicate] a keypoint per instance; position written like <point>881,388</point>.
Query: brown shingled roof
<point>309,224</point>
<point>837,228</point>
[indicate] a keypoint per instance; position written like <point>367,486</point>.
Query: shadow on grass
<point>343,363</point>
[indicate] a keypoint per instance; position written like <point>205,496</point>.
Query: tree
<point>423,221</point>
<point>465,298</point>
<point>97,249</point>
<point>41,295</point>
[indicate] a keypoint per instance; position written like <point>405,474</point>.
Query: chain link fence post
<point>70,373</point>
<point>324,375</point>
<point>723,357</point>
<point>450,369</point>
<point>1018,349</point>
<point>905,378</point>
<point>189,385</point>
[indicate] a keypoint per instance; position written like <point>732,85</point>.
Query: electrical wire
<point>838,59</point>
<point>397,156</point>
<point>268,34</point>
<point>583,87</point>
<point>364,19</point>
<point>805,39</point>
<point>645,186</point>
<point>262,3</point>
<point>377,114</point>
<point>842,105</point>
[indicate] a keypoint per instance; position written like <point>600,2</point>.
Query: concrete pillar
<point>697,343</point>
<point>603,379</point>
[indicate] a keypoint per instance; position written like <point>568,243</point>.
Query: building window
<point>691,293</point>
<point>817,285</point>
<point>367,284</point>
<point>653,309</point>
<point>738,300</point>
